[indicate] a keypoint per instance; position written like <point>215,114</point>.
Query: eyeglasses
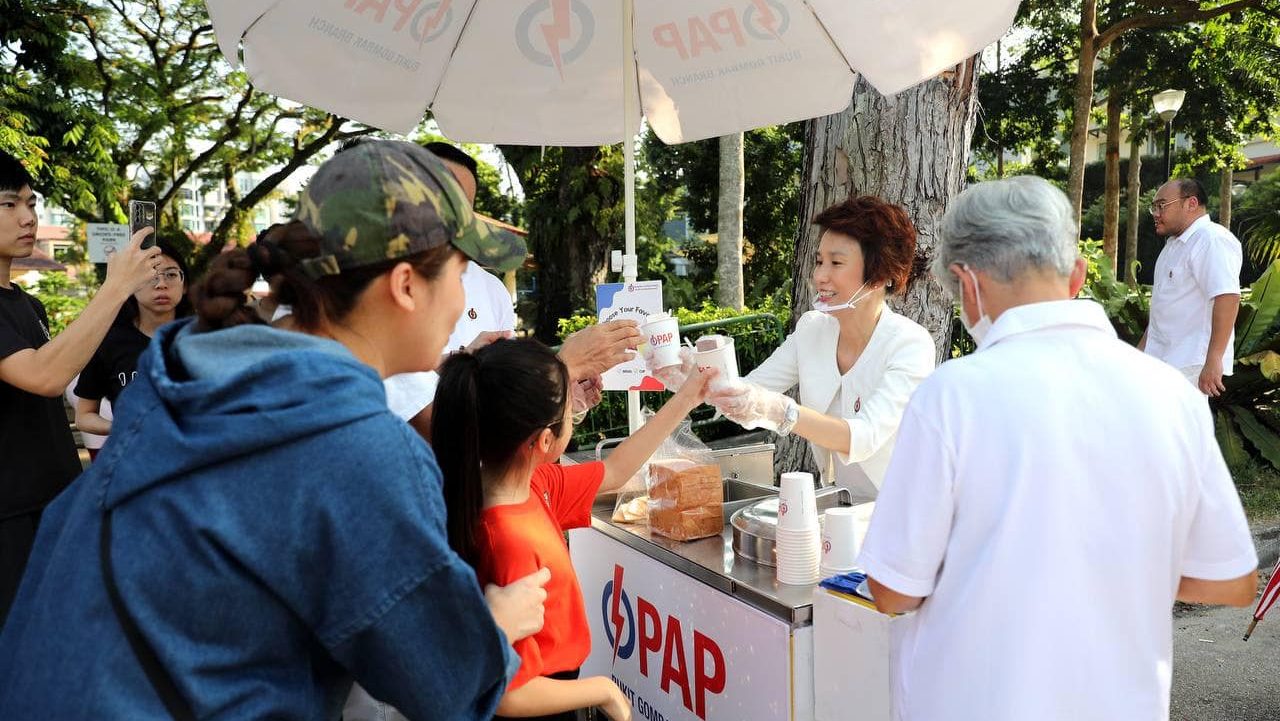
<point>1158,207</point>
<point>173,276</point>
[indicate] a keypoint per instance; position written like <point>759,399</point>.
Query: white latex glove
<point>672,377</point>
<point>750,405</point>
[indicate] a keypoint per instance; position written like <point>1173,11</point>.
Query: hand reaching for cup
<point>597,348</point>
<point>672,377</point>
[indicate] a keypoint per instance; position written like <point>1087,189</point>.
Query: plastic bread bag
<point>686,491</point>
<point>632,503</point>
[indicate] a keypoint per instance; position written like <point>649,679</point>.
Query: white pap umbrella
<point>581,72</point>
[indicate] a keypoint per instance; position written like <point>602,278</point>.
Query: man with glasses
<point>1196,294</point>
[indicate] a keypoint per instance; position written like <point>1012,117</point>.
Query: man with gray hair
<point>1196,294</point>
<point>1050,495</point>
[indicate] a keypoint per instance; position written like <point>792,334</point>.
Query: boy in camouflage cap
<point>381,200</point>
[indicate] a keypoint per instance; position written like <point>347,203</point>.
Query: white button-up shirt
<point>1046,495</point>
<point>488,308</point>
<point>869,397</point>
<point>1193,268</point>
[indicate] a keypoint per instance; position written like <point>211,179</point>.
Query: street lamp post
<point>1167,104</point>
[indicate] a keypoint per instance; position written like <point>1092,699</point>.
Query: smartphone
<point>142,214</point>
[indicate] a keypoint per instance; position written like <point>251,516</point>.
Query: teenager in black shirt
<point>116,360</point>
<point>37,454</point>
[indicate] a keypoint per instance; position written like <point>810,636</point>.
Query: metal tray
<point>755,525</point>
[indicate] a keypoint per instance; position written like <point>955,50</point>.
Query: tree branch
<point>1178,17</point>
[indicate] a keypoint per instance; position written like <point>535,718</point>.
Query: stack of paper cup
<point>840,541</point>
<point>797,541</point>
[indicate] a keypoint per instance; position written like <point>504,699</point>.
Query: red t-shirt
<point>518,539</point>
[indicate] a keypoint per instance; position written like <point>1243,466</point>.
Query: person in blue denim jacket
<point>260,530</point>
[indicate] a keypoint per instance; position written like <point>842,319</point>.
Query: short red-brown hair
<point>884,232</point>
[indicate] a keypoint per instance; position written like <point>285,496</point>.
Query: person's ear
<point>1078,276</point>
<point>968,292</point>
<point>544,440</point>
<point>400,287</point>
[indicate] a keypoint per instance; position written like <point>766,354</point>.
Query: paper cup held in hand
<point>662,333</point>
<point>717,351</point>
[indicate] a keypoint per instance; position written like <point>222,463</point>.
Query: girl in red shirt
<point>509,503</point>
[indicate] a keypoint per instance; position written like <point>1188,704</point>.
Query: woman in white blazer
<point>855,360</point>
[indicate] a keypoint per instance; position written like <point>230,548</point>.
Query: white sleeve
<point>1219,544</point>
<point>909,362</point>
<point>503,309</point>
<point>409,393</point>
<point>779,372</point>
<point>1218,267</point>
<point>911,526</point>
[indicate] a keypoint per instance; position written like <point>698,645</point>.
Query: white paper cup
<point>797,502</point>
<point>840,538</point>
<point>717,351</point>
<point>662,332</point>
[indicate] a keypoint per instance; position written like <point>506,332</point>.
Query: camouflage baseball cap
<point>385,199</point>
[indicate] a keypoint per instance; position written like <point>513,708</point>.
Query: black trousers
<point>17,536</point>
<point>565,716</point>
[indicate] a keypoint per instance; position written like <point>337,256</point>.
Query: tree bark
<point>729,291</point>
<point>1084,103</point>
<point>1111,201</point>
<point>910,149</point>
<point>1132,212</point>
<point>1224,195</point>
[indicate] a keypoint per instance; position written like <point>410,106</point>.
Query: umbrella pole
<point>629,131</point>
<point>1252,625</point>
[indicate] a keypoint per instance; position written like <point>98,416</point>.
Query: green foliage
<point>1257,215</point>
<point>1127,307</point>
<point>690,174</point>
<point>757,332</point>
<point>62,300</point>
<point>114,99</point>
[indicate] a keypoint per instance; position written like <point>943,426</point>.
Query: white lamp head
<point>1168,103</point>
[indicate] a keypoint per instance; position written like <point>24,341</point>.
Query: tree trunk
<point>729,227</point>
<point>1111,202</point>
<point>910,149</point>
<point>1084,103</point>
<point>1224,195</point>
<point>1132,212</point>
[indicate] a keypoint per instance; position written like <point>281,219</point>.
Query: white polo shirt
<point>1193,269</point>
<point>488,308</point>
<point>1046,495</point>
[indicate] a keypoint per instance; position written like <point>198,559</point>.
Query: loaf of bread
<point>685,500</point>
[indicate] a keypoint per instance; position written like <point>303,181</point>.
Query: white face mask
<point>858,295</point>
<point>978,330</point>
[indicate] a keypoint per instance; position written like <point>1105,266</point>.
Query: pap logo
<point>426,20</point>
<point>697,669</point>
<point>759,20</point>
<point>554,33</point>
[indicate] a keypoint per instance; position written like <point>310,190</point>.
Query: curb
<point>1266,539</point>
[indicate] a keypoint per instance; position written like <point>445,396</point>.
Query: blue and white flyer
<point>629,301</point>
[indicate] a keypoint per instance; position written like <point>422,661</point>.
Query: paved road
<point>1219,677</point>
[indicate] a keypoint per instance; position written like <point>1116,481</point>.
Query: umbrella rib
<point>813,13</point>
<point>444,73</point>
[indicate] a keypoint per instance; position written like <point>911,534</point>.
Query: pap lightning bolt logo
<point>615,612</point>
<point>768,20</point>
<point>434,21</point>
<point>554,32</point>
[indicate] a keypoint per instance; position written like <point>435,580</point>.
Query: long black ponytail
<point>487,405</point>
